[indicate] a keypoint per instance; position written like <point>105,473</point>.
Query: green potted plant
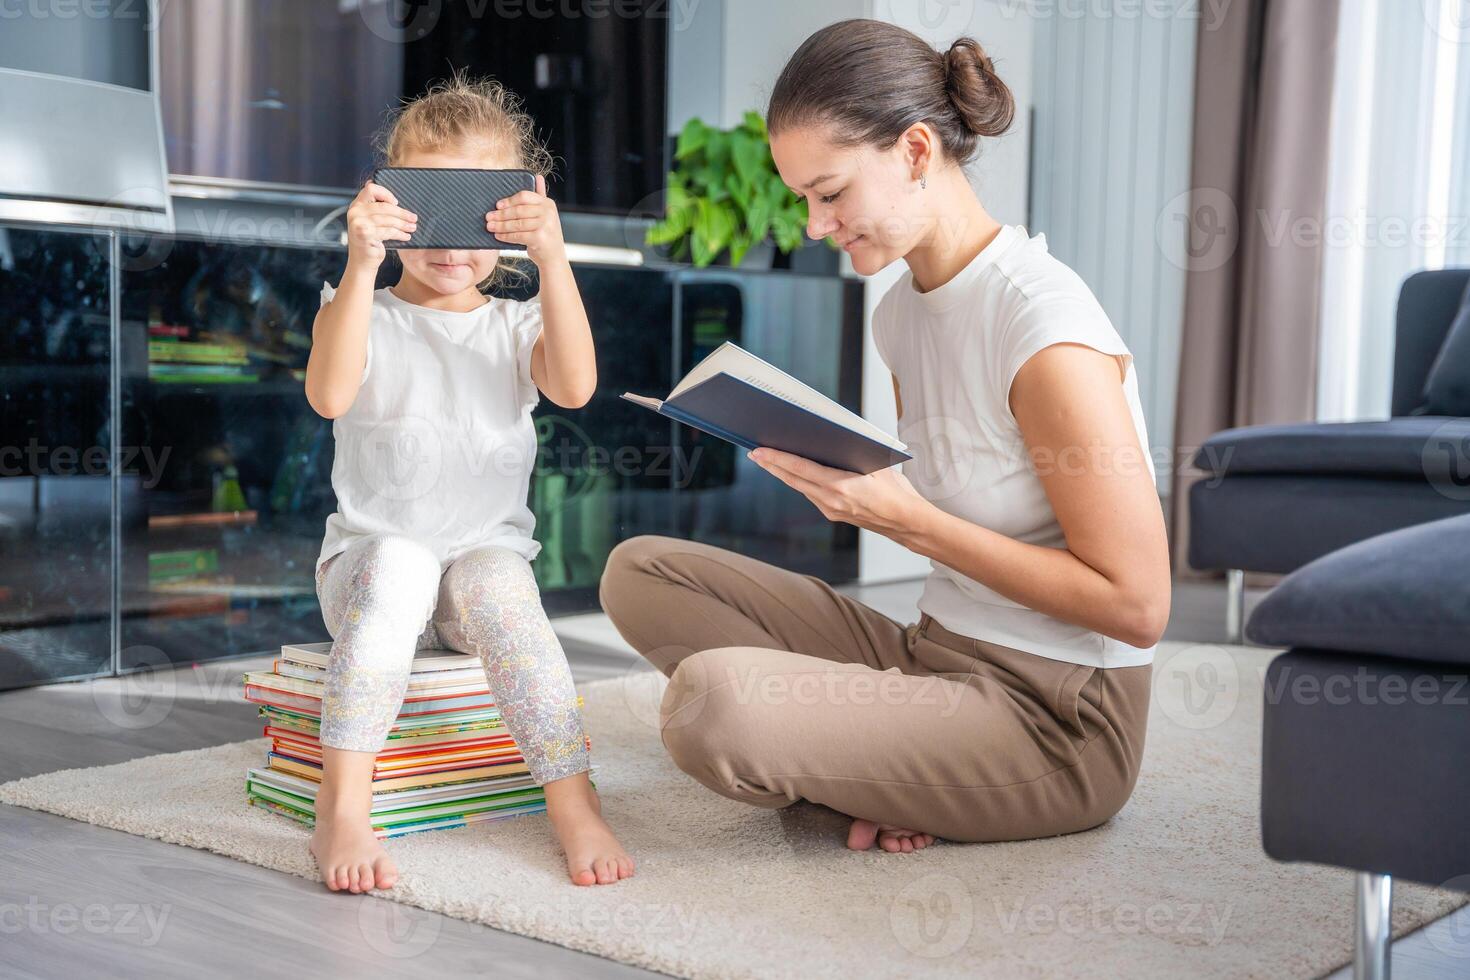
<point>725,196</point>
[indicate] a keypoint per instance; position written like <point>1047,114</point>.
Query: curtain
<point>1399,187</point>
<point>1263,98</point>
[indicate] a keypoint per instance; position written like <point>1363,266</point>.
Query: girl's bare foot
<point>349,856</point>
<point>594,856</point>
<point>896,840</point>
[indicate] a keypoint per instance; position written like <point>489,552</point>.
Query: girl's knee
<point>486,584</point>
<point>490,566</point>
<point>395,558</point>
<point>393,579</point>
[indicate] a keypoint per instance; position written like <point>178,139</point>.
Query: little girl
<point>431,386</point>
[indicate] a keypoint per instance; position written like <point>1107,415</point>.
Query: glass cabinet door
<point>55,456</point>
<point>810,327</point>
<point>219,547</point>
<point>607,471</point>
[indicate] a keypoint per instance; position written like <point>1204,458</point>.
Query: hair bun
<point>984,102</point>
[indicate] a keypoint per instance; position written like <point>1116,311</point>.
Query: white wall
<point>1000,177</point>
<point>1114,120</point>
<point>724,55</point>
<point>761,36</point>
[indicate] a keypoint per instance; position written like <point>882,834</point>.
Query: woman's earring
<point>924,181</point>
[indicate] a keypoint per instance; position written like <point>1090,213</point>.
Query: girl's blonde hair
<point>465,113</point>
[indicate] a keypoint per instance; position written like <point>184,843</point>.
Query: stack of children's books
<point>448,762</point>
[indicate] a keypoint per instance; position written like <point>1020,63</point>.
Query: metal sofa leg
<point>1373,931</point>
<point>1235,605</point>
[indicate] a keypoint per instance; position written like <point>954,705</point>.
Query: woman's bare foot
<point>594,856</point>
<point>349,856</point>
<point>863,834</point>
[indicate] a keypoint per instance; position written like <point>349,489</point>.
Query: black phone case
<point>451,203</point>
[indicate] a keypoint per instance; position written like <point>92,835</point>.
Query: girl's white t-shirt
<point>955,351</point>
<point>439,445</point>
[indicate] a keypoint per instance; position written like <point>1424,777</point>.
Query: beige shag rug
<point>1175,885</point>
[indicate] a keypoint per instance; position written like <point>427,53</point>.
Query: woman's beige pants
<point>783,689</point>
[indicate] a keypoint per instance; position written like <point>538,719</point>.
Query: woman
<point>1016,706</point>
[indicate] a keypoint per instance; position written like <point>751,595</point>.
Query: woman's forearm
<point>339,340</point>
<point>1053,581</point>
<point>571,360</point>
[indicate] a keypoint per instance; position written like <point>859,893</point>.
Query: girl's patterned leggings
<point>384,598</point>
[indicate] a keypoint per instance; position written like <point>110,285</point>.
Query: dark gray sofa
<point>1274,497</point>
<point>1366,728</point>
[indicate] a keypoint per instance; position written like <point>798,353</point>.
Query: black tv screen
<point>290,92</point>
<point>593,75</point>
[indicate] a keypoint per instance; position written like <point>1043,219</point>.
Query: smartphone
<point>451,203</point>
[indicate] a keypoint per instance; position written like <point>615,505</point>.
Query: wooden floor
<point>80,901</point>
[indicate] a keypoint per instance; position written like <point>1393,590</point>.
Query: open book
<point>742,399</point>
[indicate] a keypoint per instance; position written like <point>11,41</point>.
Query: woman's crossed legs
<point>783,689</point>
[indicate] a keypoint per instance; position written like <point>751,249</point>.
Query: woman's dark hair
<point>870,81</point>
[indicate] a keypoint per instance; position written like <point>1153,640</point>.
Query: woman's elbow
<point>1144,617</point>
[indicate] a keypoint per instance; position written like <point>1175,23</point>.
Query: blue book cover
<point>743,399</point>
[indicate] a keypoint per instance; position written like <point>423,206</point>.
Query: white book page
<point>739,363</point>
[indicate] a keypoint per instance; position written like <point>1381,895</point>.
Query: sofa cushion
<point>1447,386</point>
<point>1270,522</point>
<point>1401,594</point>
<point>1359,765</point>
<point>1413,447</point>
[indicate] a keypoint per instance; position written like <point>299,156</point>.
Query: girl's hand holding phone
<point>373,218</point>
<point>530,218</point>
